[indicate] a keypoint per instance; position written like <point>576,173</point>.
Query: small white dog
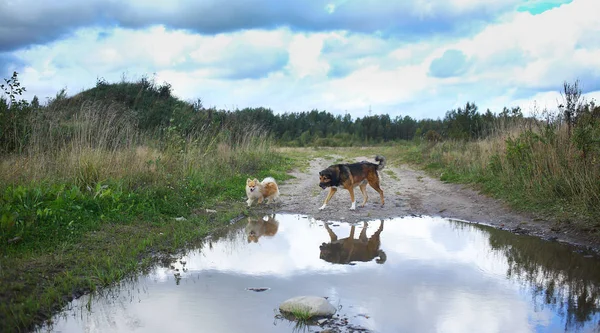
<point>258,191</point>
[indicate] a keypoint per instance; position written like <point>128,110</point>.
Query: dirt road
<point>408,191</point>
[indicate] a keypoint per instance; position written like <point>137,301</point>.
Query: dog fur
<point>267,189</point>
<point>256,228</point>
<point>351,175</point>
<point>347,250</point>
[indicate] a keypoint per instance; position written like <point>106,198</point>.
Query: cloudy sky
<point>401,57</point>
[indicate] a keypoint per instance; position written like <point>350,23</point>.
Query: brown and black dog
<point>348,250</point>
<point>351,175</point>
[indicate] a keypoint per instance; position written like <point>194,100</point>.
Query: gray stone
<point>316,306</point>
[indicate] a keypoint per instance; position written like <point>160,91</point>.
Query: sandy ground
<point>411,192</point>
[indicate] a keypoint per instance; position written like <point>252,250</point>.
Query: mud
<point>412,192</point>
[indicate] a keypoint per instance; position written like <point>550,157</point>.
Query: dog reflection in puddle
<point>347,250</point>
<point>258,227</point>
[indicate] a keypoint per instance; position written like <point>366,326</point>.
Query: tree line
<point>154,110</point>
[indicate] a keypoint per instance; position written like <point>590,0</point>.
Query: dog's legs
<point>380,229</point>
<point>332,234</point>
<point>329,195</point>
<point>363,233</point>
<point>351,190</point>
<point>249,202</point>
<point>363,189</point>
<point>348,243</point>
<point>380,253</point>
<point>260,200</point>
<point>375,184</point>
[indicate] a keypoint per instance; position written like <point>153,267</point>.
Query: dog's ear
<point>255,180</point>
<point>248,180</point>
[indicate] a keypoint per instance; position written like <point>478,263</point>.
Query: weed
<point>301,314</point>
<point>392,174</point>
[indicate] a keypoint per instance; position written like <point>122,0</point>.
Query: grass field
<point>86,215</point>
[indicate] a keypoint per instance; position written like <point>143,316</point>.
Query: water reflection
<point>567,283</point>
<point>258,227</point>
<point>347,250</point>
<point>438,276</point>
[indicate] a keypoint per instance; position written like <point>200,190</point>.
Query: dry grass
<point>97,144</point>
<point>530,163</point>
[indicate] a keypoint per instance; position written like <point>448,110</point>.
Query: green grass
<point>35,285</point>
<point>301,314</point>
<point>392,174</point>
<point>59,241</point>
<point>302,318</point>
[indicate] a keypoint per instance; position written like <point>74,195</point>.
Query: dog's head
<point>333,253</point>
<point>325,178</point>
<point>253,237</point>
<point>251,184</point>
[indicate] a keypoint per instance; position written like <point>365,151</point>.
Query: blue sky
<point>411,57</point>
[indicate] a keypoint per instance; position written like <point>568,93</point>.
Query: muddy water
<point>411,274</point>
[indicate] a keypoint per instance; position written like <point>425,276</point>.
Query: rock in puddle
<point>315,306</point>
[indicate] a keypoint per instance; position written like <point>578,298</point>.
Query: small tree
<point>572,103</point>
<point>35,102</point>
<point>14,116</point>
<point>433,136</point>
<point>12,88</point>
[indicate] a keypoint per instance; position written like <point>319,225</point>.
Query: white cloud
<point>549,40</point>
<point>371,85</point>
<point>305,56</point>
<point>517,59</point>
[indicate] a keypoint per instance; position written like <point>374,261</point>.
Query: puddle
<point>423,274</point>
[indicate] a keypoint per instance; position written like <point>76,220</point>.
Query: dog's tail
<point>381,161</point>
<point>270,183</point>
<point>269,180</point>
<point>382,257</point>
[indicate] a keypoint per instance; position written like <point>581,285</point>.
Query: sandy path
<point>408,191</point>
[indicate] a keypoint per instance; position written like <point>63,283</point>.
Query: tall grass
<point>98,143</point>
<point>534,163</point>
<point>94,142</point>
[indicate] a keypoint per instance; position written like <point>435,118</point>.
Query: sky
<point>417,58</point>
